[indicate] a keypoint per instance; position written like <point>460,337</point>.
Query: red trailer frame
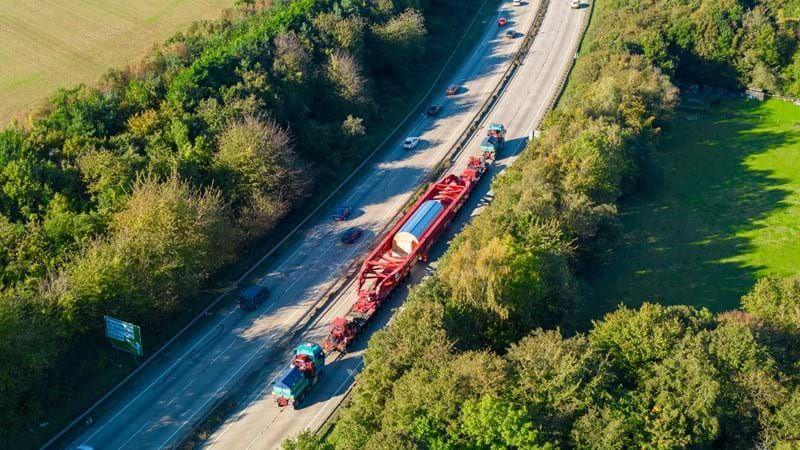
<point>381,272</point>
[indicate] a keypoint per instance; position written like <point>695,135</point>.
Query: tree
<point>291,61</point>
<point>162,245</point>
<point>344,72</point>
<point>782,431</point>
<point>680,401</point>
<point>634,339</point>
<point>256,156</point>
<point>496,423</point>
<point>344,33</point>
<point>399,41</point>
<point>777,301</point>
<point>306,441</point>
<point>353,126</point>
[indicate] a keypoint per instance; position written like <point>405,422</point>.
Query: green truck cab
<point>494,141</point>
<point>307,366</point>
<point>489,146</point>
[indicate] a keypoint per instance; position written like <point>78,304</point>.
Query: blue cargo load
<point>490,143</point>
<point>407,238</point>
<point>290,383</point>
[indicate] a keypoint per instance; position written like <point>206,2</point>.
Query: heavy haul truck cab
<point>305,369</point>
<point>495,140</point>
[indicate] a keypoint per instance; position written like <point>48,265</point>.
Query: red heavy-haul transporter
<point>407,242</point>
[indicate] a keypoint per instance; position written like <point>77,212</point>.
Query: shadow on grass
<point>680,237</point>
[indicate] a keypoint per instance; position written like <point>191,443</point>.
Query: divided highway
<point>167,400</point>
<point>259,423</point>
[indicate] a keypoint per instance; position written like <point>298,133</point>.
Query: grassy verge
<point>723,209</point>
<point>446,25</point>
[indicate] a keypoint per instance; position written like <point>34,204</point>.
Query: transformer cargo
<point>408,242</point>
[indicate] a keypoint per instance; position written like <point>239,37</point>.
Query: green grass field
<point>47,44</point>
<point>722,209</point>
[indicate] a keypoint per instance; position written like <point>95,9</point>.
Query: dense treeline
<point>729,43</point>
<point>121,199</point>
<point>477,357</point>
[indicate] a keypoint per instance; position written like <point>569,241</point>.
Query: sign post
<point>124,336</point>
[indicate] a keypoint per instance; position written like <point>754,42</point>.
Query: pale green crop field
<point>47,44</point>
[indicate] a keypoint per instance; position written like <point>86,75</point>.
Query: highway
<point>231,348</point>
<point>258,423</point>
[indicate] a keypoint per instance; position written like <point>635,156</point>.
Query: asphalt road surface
<point>165,402</point>
<point>258,423</point>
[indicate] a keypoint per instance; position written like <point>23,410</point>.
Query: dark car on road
<point>351,235</point>
<point>342,213</point>
<point>511,34</point>
<point>252,297</point>
<point>434,110</point>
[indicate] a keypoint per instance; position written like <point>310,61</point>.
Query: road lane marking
<point>167,371</point>
<point>133,435</point>
<point>287,259</point>
<point>336,392</point>
<point>563,65</point>
<point>236,372</point>
<point>179,393</point>
<point>161,376</point>
<point>223,352</point>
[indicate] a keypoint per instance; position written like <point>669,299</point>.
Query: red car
<point>452,89</point>
<point>502,21</point>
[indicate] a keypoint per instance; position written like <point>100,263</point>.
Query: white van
<point>575,4</point>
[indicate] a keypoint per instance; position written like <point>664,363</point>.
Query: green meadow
<point>720,207</point>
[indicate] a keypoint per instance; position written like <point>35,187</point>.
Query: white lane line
<point>179,393</point>
<point>541,67</point>
<point>227,380</point>
<point>242,366</point>
<point>280,266</point>
<point>563,66</point>
<point>467,68</point>
<point>133,435</point>
<point>268,385</point>
<point>232,422</point>
<point>306,270</point>
<point>223,352</point>
<point>167,371</point>
<point>158,379</point>
<point>336,392</point>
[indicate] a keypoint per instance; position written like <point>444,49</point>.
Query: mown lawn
<point>47,44</point>
<point>722,209</point>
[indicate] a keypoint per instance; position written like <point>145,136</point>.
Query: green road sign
<point>124,336</point>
